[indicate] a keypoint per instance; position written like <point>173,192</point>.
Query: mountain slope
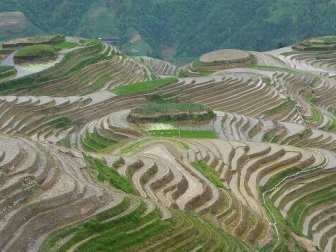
<point>180,29</point>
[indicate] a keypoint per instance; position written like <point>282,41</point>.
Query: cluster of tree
<point>189,27</point>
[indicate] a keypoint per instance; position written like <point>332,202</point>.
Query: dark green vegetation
<point>283,231</point>
<point>6,71</point>
<point>142,87</point>
<point>208,172</point>
<point>165,24</point>
<point>275,180</point>
<point>65,45</point>
<point>95,142</point>
<point>283,106</point>
<point>60,122</point>
<point>302,206</point>
<point>310,98</point>
<point>35,52</point>
<point>120,230</point>
<point>165,112</point>
<point>316,115</point>
<point>105,173</point>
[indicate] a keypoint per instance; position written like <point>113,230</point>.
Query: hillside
<point>101,151</point>
<point>176,30</point>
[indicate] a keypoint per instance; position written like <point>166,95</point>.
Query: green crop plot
<point>142,87</point>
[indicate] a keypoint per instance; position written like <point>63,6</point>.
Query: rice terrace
<point>101,151</point>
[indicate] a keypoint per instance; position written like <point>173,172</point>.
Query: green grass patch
<point>100,82</point>
<point>316,115</point>
<point>62,122</point>
<point>310,98</point>
<point>106,173</point>
<point>208,172</point>
<point>301,207</point>
<point>89,225</point>
<point>280,108</point>
<point>285,240</point>
<point>85,63</point>
<point>332,125</point>
<point>132,147</point>
<point>95,142</point>
<point>183,133</point>
<point>116,229</point>
<point>142,87</point>
<point>272,68</point>
<point>65,142</point>
<point>36,52</point>
<point>65,45</point>
<point>269,138</point>
<point>275,180</point>
<point>164,133</point>
<point>205,73</point>
<point>6,71</point>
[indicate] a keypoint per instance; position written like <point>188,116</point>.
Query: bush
<point>62,122</point>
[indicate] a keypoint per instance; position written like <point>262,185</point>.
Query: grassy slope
<point>36,52</point>
<point>142,87</point>
<point>106,173</point>
<point>208,172</point>
<point>182,133</point>
<point>6,71</point>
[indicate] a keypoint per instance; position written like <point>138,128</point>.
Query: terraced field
<point>77,175</point>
